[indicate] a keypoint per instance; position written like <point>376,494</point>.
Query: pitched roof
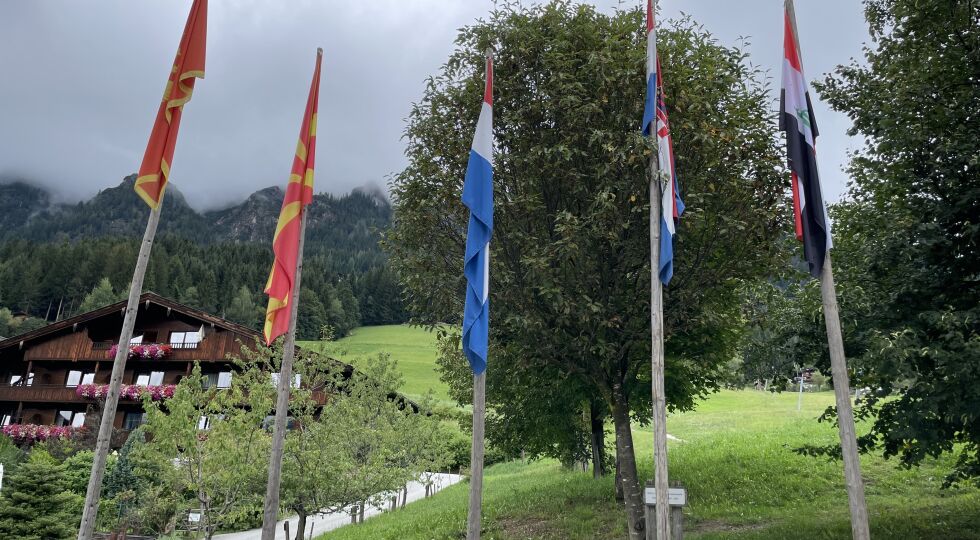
<point>146,299</point>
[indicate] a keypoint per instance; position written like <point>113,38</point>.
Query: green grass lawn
<point>743,479</point>
<point>413,348</point>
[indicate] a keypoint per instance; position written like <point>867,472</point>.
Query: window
<point>146,378</point>
<point>76,377</point>
<point>204,423</point>
<point>69,418</point>
<point>6,419</point>
<point>136,340</point>
<point>19,379</point>
<point>224,379</point>
<point>185,340</point>
<point>133,420</point>
<point>209,380</point>
<point>275,380</point>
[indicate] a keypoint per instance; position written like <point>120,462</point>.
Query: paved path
<point>329,522</point>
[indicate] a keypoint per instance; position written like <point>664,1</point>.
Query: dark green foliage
<point>570,270</point>
<point>217,261</point>
<point>908,243</point>
<point>35,504</point>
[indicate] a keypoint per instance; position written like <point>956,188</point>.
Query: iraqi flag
<point>655,111</point>
<point>478,197</point>
<point>796,119</point>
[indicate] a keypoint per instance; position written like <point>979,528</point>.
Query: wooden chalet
<point>48,376</point>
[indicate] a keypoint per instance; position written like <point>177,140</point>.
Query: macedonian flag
<point>189,64</point>
<point>285,243</point>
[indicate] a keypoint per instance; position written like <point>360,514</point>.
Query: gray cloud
<point>81,83</point>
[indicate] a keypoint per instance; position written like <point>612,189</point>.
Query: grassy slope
<point>743,479</point>
<point>413,348</point>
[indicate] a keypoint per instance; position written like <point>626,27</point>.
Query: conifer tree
<point>101,295</point>
<point>34,504</point>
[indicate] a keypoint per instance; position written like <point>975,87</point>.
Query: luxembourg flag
<point>478,197</point>
<point>655,110</point>
<point>796,119</point>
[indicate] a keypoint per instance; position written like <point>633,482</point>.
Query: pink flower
<point>34,433</point>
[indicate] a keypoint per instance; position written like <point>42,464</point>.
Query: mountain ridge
<point>29,212</point>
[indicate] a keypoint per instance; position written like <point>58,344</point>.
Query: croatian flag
<point>796,119</point>
<point>655,111</point>
<point>478,197</point>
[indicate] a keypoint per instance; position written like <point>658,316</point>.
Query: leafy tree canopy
<point>908,241</point>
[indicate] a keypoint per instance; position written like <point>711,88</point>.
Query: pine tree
<point>243,310</point>
<point>101,295</point>
<point>34,504</point>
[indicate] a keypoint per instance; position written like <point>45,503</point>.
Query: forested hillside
<point>53,256</point>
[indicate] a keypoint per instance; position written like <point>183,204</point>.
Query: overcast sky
<point>81,82</point>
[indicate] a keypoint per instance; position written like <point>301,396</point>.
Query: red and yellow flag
<point>189,64</point>
<point>285,244</point>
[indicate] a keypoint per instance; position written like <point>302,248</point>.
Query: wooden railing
<point>38,392</point>
<point>106,345</point>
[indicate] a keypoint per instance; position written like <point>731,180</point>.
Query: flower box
<point>36,433</point>
<point>150,351</point>
<point>156,392</point>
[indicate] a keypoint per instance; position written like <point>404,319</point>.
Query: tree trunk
<point>360,518</point>
<point>405,496</point>
<point>300,525</point>
<point>598,442</point>
<point>632,493</point>
<point>619,481</point>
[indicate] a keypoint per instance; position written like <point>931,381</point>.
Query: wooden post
<point>91,508</point>
<point>476,456</point>
<point>662,525</point>
<point>271,510</point>
<point>845,415</point>
<point>799,398</point>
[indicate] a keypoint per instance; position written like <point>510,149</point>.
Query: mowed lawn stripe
<point>413,348</point>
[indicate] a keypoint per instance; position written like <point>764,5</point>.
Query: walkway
<point>328,522</point>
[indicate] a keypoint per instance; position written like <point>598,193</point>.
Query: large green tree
<point>908,243</point>
<point>570,268</point>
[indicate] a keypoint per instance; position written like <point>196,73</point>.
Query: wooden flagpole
<point>845,415</point>
<point>476,457</point>
<point>93,493</point>
<point>657,353</point>
<point>477,451</point>
<point>271,510</point>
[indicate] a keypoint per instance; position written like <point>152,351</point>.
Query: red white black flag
<point>796,119</point>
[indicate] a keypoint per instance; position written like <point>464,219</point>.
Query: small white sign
<point>194,517</point>
<point>675,496</point>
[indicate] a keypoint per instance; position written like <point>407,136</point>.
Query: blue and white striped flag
<point>478,197</point>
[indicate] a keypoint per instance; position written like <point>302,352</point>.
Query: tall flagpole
<point>93,493</point>
<point>662,510</point>
<point>150,185</point>
<point>284,292</point>
<point>845,415</point>
<point>835,341</point>
<point>657,356</point>
<point>270,512</point>
<point>478,197</point>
